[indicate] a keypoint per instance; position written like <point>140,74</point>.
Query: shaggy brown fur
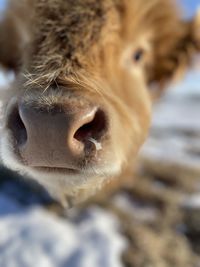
<point>86,22</point>
<point>109,53</point>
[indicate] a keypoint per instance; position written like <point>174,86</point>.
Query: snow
<point>35,237</point>
<point>179,109</point>
<point>6,78</point>
<point>142,213</point>
<point>192,202</point>
<point>175,134</point>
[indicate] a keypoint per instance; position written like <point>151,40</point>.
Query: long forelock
<point>64,32</point>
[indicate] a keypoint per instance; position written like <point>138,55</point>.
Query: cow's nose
<point>56,137</point>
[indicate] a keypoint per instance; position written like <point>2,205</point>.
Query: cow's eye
<point>138,55</point>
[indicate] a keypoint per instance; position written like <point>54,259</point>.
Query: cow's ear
<point>175,52</point>
<point>14,35</point>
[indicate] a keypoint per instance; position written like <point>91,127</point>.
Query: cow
<point>87,72</point>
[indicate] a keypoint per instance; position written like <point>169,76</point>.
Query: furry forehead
<point>65,30</point>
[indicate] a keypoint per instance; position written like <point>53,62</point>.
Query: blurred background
<point>189,6</point>
<point>156,223</point>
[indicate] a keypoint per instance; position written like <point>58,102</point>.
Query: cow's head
<point>81,108</point>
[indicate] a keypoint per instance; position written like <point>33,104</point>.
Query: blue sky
<point>3,4</point>
<point>190,6</point>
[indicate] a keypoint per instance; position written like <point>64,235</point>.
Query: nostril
<point>17,127</point>
<point>95,129</point>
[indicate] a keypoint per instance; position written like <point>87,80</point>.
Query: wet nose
<point>55,137</point>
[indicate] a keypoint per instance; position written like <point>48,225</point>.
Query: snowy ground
<point>175,133</point>
<point>34,237</point>
<point>33,234</point>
